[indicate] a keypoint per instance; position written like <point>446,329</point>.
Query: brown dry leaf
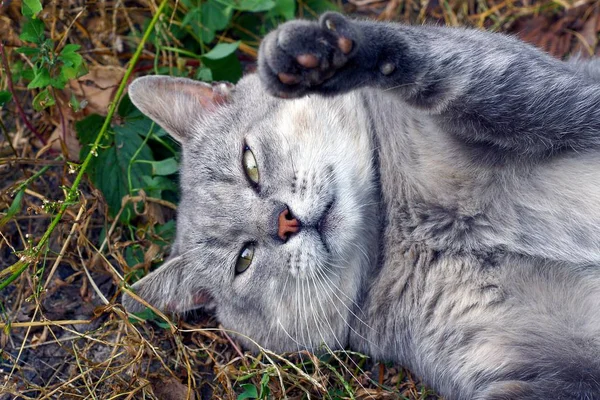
<point>98,87</point>
<point>95,90</point>
<point>8,33</point>
<point>171,389</point>
<point>3,339</point>
<point>151,253</point>
<point>71,142</point>
<point>155,213</point>
<point>552,36</point>
<point>39,339</point>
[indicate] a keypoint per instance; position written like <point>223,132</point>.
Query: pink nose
<point>287,225</point>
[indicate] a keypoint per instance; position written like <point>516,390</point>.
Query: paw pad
<point>288,79</point>
<point>344,44</point>
<point>308,60</point>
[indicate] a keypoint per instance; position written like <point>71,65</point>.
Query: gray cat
<point>430,196</point>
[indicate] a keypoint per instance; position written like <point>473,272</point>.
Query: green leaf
<point>14,208</point>
<point>109,170</point>
<point>321,6</point>
<point>87,129</point>
<point>112,171</point>
<point>74,103</point>
<point>285,8</point>
<point>126,108</point>
<point>69,57</point>
<point>156,184</point>
<point>5,97</point>
<point>221,51</point>
<point>82,70</point>
<point>208,35</point>
<point>21,70</point>
<point>149,315</point>
<point>66,74</point>
<point>146,314</point>
<point>248,26</point>
<point>165,167</point>
<point>251,5</point>
<point>216,16</point>
<point>70,49</point>
<point>44,99</point>
<point>249,392</point>
<point>264,387</point>
<point>32,31</point>
<point>205,20</point>
<point>225,69</point>
<point>28,51</point>
<point>165,232</point>
<point>192,17</point>
<point>31,8</point>
<point>204,74</point>
<point>41,79</point>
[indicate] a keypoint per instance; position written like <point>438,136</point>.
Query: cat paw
<point>300,55</point>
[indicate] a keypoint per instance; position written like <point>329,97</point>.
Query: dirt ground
<point>63,332</point>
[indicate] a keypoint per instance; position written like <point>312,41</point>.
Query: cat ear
<point>168,290</point>
<point>176,104</point>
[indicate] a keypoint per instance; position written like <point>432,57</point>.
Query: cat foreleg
<point>486,88</point>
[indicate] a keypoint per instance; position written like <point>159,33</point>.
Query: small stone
<point>387,68</point>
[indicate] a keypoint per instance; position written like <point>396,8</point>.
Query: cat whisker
<point>445,79</point>
<point>290,336</point>
<point>298,322</point>
<point>315,281</point>
<point>349,310</point>
<point>306,314</point>
<point>335,287</point>
<point>278,305</point>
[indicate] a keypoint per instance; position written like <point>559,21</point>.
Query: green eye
<point>245,258</point>
<point>250,165</point>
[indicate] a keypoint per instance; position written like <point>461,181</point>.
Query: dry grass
<point>63,331</point>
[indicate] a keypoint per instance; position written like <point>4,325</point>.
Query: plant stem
<point>22,264</point>
<point>14,94</point>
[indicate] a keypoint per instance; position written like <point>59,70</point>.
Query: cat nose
<point>287,224</point>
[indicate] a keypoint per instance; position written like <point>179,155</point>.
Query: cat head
<point>277,225</point>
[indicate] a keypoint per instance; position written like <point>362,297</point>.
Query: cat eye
<point>245,258</point>
<point>250,165</point>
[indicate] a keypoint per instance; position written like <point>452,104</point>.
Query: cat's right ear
<point>169,288</point>
<point>177,104</point>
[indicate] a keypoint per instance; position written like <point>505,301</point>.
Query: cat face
<point>277,224</point>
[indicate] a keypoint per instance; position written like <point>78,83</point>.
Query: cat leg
<point>485,88</point>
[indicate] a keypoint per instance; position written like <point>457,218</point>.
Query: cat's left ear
<point>177,104</point>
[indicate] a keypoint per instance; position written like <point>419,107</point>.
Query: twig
<point>14,95</point>
<point>92,281</point>
<point>35,324</point>
<point>24,262</point>
<point>65,244</point>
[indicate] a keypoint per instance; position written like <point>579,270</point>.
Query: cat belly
<point>473,325</point>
